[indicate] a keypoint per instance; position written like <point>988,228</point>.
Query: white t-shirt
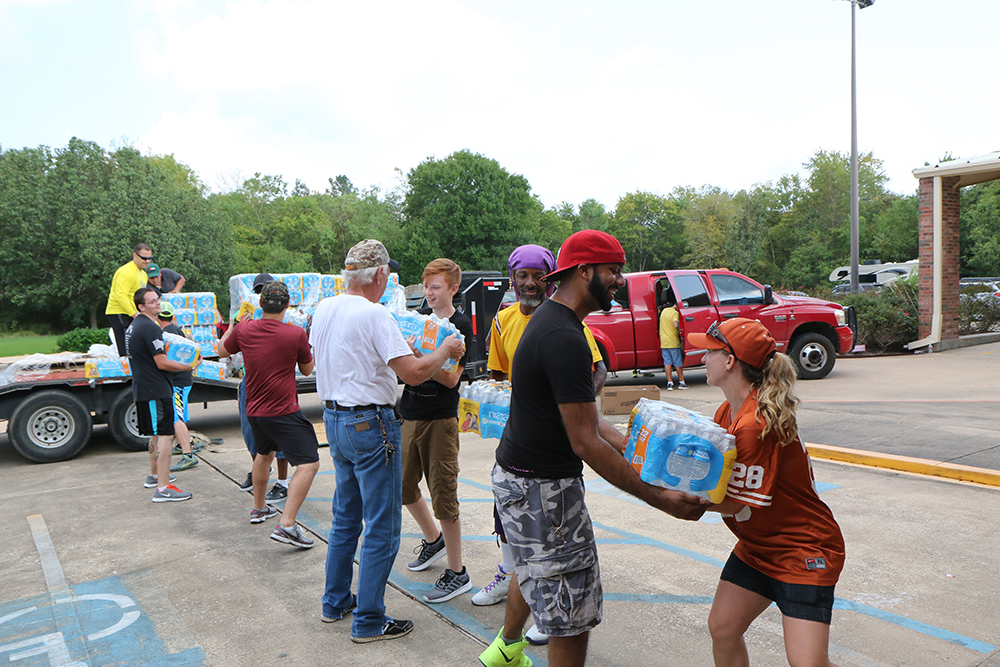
<point>353,341</point>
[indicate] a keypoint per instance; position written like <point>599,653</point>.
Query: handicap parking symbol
<point>97,624</point>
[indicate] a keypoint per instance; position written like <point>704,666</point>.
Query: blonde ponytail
<point>775,402</point>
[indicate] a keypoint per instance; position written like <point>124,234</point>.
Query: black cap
<point>261,280</point>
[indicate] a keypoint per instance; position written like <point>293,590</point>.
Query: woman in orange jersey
<point>790,549</point>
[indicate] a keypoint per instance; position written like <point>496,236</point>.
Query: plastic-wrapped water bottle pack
<point>680,449</point>
<point>484,407</point>
<point>429,332</point>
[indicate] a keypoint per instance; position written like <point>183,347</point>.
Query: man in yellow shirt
<point>121,304</point>
<point>671,347</point>
<point>527,264</point>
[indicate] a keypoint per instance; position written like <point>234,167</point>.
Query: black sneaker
<point>277,493</point>
<point>451,584</point>
<point>391,630</point>
<point>427,553</point>
<point>247,484</point>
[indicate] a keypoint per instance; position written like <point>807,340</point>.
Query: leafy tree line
<point>70,216</point>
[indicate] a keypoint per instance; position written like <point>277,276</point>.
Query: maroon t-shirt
<point>271,350</point>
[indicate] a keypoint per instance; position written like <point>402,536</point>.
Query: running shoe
<point>391,630</point>
<point>450,585</point>
<point>427,553</point>
<point>291,536</point>
<point>171,494</point>
<point>185,462</point>
<point>260,516</point>
<point>495,592</point>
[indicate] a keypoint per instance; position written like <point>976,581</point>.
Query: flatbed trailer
<point>51,420</point>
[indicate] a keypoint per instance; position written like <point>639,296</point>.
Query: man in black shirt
<point>553,428</point>
<point>152,391</point>
<point>430,445</point>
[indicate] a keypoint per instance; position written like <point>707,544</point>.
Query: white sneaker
<point>495,591</point>
<point>536,636</point>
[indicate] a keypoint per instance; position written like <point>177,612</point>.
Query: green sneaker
<point>501,654</point>
<point>185,462</point>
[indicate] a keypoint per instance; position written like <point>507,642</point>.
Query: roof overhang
<point>979,169</point>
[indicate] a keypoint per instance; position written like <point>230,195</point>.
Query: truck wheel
<point>49,426</point>
<point>813,356</point>
<point>124,425</point>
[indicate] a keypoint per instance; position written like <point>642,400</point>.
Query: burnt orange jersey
<point>784,529</point>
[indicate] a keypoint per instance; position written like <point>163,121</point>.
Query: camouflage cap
<point>366,255</point>
<point>275,292</point>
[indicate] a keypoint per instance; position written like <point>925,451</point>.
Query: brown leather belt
<point>333,405</point>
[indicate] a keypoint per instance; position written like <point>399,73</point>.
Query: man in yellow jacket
<point>121,305</point>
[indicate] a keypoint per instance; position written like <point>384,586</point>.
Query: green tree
<point>465,207</point>
<point>651,230</point>
<point>980,230</point>
<point>709,214</point>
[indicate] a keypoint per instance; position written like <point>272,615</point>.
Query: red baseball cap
<point>587,246</point>
<point>749,340</point>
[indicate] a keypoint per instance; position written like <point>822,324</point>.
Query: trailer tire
<point>813,356</point>
<point>49,426</point>
<point>123,424</point>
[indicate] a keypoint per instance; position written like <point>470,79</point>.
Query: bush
<point>80,340</point>
<point>978,309</point>
<point>887,319</point>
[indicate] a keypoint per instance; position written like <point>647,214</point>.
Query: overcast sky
<point>586,99</point>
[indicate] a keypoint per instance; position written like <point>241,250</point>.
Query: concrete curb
<point>906,464</point>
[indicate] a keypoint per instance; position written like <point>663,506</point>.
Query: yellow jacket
<point>128,278</point>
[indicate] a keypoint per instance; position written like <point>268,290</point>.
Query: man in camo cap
<point>359,352</point>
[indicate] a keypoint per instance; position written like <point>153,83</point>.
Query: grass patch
<point>12,346</point>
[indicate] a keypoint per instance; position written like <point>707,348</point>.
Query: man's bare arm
<point>584,430</point>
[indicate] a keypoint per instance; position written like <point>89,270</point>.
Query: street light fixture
<point>855,243</point>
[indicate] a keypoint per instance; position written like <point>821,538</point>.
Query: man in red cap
<point>553,428</point>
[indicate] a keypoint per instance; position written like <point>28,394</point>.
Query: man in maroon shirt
<point>271,349</point>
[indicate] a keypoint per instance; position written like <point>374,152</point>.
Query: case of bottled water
<point>428,332</point>
<point>680,449</point>
<point>484,407</point>
<point>180,349</point>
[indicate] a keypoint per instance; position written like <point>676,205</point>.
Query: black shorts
<point>156,416</point>
<point>291,434</point>
<point>809,603</point>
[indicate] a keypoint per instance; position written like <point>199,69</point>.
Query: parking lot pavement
<point>94,573</point>
<point>195,583</point>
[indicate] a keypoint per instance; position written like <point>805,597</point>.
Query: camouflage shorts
<point>555,556</point>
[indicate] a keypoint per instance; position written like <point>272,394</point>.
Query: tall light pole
<point>855,243</point>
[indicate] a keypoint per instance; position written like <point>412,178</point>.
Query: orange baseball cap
<point>747,339</point>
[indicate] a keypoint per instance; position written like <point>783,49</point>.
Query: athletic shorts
<point>292,434</point>
<point>672,356</point>
<point>555,555</point>
<point>181,404</point>
<point>155,417</point>
<point>430,450</point>
<point>809,603</point>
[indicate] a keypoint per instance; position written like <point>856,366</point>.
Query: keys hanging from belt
<point>388,445</point>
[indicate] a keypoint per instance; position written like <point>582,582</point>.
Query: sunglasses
<point>714,332</point>
<point>145,259</point>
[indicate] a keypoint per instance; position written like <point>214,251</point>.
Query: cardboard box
<point>621,400</point>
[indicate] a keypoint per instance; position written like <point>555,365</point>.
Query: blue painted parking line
<point>473,626</point>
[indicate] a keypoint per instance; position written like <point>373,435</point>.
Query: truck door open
<point>696,309</point>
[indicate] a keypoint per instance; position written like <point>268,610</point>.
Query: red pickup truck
<point>811,331</point>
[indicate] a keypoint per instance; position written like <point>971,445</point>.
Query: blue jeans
<point>248,438</point>
<point>369,490</point>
